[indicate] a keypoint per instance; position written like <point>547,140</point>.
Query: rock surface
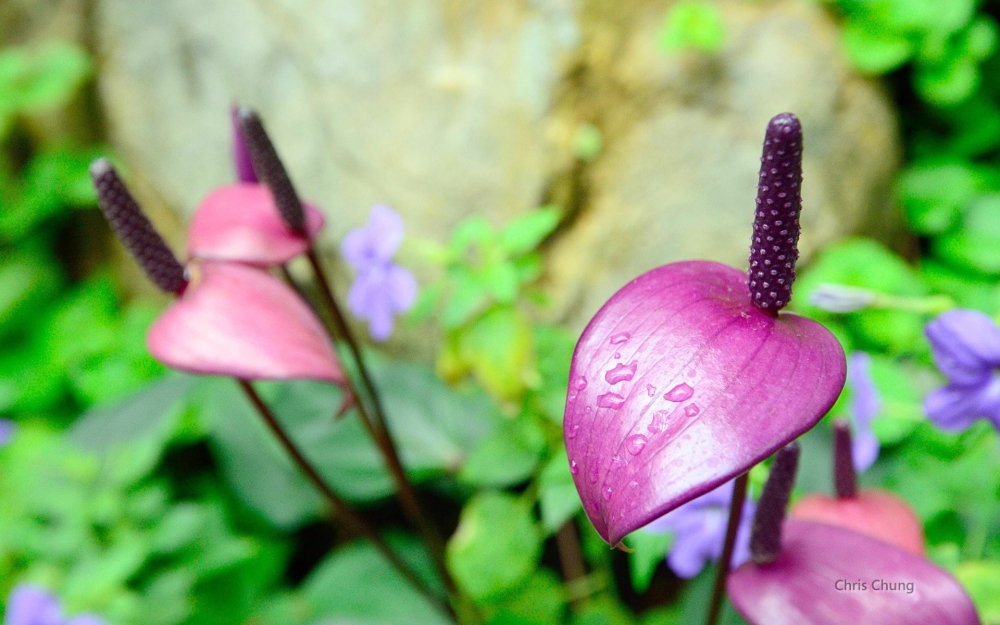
<point>445,108</point>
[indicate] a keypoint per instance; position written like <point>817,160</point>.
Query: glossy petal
<point>377,241</point>
<point>874,513</point>
<point>30,605</point>
<point>240,321</point>
<point>801,586</point>
<point>679,384</point>
<point>240,223</point>
<point>965,345</point>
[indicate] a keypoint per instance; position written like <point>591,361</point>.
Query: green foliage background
<point>154,498</point>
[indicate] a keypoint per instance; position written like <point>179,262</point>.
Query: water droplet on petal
<point>618,355</point>
<point>621,372</point>
<point>691,373</point>
<point>573,468</point>
<point>659,422</point>
<point>635,444</point>
<point>580,383</point>
<point>594,470</point>
<point>650,390</point>
<point>617,462</point>
<point>607,493</point>
<point>679,393</point>
<point>610,400</point>
<point>572,431</point>
<point>691,410</point>
<point>618,339</point>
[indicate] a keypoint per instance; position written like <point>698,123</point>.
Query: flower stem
<point>355,522</point>
<point>735,515</point>
<point>378,428</point>
<point>844,477</point>
<point>570,557</point>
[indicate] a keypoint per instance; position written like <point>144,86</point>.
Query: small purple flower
<point>699,528</point>
<point>381,288</point>
<point>865,406</point>
<point>7,429</point>
<point>966,348</point>
<point>31,605</point>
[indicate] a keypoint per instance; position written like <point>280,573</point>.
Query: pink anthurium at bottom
<point>240,321</point>
<point>827,575</point>
<point>680,384</point>
<point>874,513</point>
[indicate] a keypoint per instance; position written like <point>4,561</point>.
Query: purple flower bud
<point>774,247</point>
<point>837,298</point>
<point>765,539</point>
<point>269,169</point>
<point>241,152</point>
<point>134,230</point>
<point>845,480</point>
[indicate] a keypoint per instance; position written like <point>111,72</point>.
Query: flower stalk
<point>844,477</point>
<point>735,516</point>
<point>765,538</point>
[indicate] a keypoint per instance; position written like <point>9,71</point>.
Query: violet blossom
<point>966,348</point>
<point>699,528</point>
<point>865,406</point>
<point>7,429</point>
<point>382,288</point>
<point>31,605</point>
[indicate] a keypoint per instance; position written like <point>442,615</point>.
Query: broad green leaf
<point>499,349</point>
<point>41,77</point>
<point>976,246</point>
<point>982,581</point>
<point>508,457</point>
<point>947,83</point>
<point>649,550</point>
<point>540,600</point>
<point>900,398</point>
<point>693,25</point>
<point>557,494</point>
<point>933,194</point>
<point>496,545</point>
<point>524,234</point>
<point>29,278</point>
<point>603,610</point>
<point>875,51</point>
<point>356,583</point>
<point>474,231</point>
<point>469,297</point>
<point>967,289</point>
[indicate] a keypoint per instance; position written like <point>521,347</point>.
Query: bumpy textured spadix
<point>808,583</point>
<point>680,383</point>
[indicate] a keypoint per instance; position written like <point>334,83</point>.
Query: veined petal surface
<point>240,321</point>
<point>241,223</point>
<point>809,583</point>
<point>679,384</point>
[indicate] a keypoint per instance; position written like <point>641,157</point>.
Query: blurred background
<point>149,497</point>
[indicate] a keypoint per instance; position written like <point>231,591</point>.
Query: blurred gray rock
<point>445,108</point>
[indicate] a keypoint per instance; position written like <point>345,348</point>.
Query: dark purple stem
<point>844,477</point>
<point>765,537</point>
<point>774,248</point>
<point>134,229</point>
<point>241,152</point>
<point>728,545</point>
<point>270,171</point>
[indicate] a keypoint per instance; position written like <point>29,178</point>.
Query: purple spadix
<point>685,378</point>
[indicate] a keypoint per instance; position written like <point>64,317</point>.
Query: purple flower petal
<point>699,529</point>
<point>86,619</point>
<point>965,345</point>
<point>757,382</point>
<point>864,450</point>
<point>240,321</point>
<point>402,288</point>
<point>808,583</point>
<point>7,429</point>
<point>31,605</point>
<point>865,406</point>
<point>241,223</point>
<point>953,408</point>
<point>377,241</point>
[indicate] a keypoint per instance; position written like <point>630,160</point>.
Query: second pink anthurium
<point>229,318</point>
<point>689,376</point>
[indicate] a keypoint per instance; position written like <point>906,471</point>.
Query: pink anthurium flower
<point>241,223</point>
<point>817,574</point>
<point>689,376</point>
<point>875,513</point>
<point>229,318</point>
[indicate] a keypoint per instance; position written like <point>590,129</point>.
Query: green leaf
<point>947,83</point>
<point>875,50</point>
<point>976,246</point>
<point>525,233</point>
<point>540,600</point>
<point>42,77</point>
<point>557,494</point>
<point>933,194</point>
<point>506,458</point>
<point>469,297</point>
<point>356,583</point>
<point>473,232</point>
<point>900,398</point>
<point>495,546</point>
<point>968,290</point>
<point>981,580</point>
<point>499,349</point>
<point>603,610</point>
<point>693,25</point>
<point>649,550</point>
<point>29,278</point>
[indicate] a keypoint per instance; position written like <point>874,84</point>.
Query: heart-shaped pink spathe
<point>240,223</point>
<point>679,384</point>
<point>828,575</point>
<point>239,321</point>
